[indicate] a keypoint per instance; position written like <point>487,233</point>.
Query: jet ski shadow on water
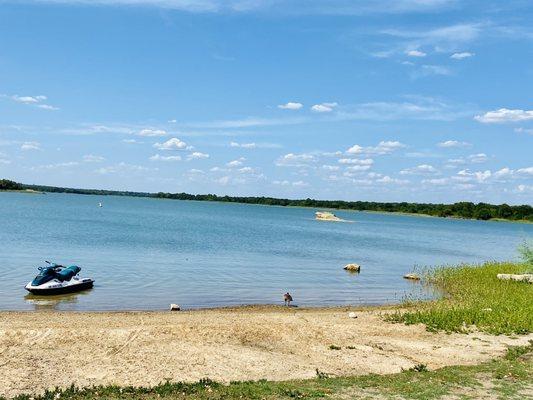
<point>56,279</point>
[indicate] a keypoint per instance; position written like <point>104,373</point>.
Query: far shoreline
<point>406,214</point>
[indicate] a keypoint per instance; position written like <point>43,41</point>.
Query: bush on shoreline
<point>474,296</point>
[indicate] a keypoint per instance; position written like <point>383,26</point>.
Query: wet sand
<point>40,350</point>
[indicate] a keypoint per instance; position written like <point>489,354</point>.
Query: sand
<point>40,350</point>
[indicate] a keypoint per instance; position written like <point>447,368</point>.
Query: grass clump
<point>474,296</point>
<point>509,377</point>
<point>526,252</point>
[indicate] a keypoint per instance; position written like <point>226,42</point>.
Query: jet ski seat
<point>67,273</point>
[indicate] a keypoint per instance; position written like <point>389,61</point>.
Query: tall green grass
<point>474,296</point>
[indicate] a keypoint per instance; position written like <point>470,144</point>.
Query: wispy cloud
<point>504,115</point>
<point>35,101</point>
<point>152,132</point>
<point>93,158</point>
<point>333,7</point>
<point>453,143</point>
<point>291,106</point>
<point>415,53</point>
<point>159,157</point>
<point>462,55</point>
<point>30,146</point>
<point>171,144</point>
<point>423,169</point>
<point>324,107</point>
<point>197,155</point>
<point>383,147</point>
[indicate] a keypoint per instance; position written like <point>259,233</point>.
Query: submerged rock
<point>412,276</point>
<point>353,267</point>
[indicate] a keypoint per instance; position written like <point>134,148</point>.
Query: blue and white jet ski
<point>57,279</point>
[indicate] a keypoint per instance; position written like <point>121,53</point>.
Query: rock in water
<point>413,277</point>
<point>326,216</point>
<point>175,307</point>
<point>353,267</point>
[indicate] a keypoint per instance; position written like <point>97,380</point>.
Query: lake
<point>147,253</point>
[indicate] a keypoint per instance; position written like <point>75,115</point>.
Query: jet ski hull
<point>47,290</point>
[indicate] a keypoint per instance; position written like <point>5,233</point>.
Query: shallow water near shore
<point>147,253</point>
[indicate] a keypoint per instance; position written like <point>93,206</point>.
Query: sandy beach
<point>40,350</point>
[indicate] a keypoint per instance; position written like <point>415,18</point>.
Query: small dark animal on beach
<point>288,298</point>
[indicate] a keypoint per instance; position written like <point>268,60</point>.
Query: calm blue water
<point>148,253</point>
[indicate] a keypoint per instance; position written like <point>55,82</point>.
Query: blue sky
<point>407,100</point>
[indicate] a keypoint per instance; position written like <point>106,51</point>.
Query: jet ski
<point>57,279</point>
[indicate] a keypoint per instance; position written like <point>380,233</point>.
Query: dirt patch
<point>40,350</point>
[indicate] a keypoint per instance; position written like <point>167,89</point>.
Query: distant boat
<point>100,205</point>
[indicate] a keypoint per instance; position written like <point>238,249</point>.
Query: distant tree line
<point>481,211</point>
<point>6,184</point>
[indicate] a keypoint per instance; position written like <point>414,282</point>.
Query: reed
<point>474,298</point>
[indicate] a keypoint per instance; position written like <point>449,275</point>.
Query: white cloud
<point>423,169</point>
<point>171,144</point>
<point>56,166</point>
<point>36,101</point>
<point>235,163</point>
<point>291,106</point>
<point>331,7</point>
<point>197,155</point>
<point>434,70</point>
<point>130,141</point>
<point>357,161</point>
<point>28,99</point>
<point>415,53</point>
<point>30,146</point>
<point>93,158</point>
<point>330,167</point>
<point>525,171</point>
<point>453,143</point>
<point>479,176</point>
<point>358,168</point>
<point>123,167</point>
<point>524,188</point>
<point>243,145</point>
<point>152,132</point>
<point>282,183</point>
<point>158,157</point>
<point>391,181</point>
<point>436,181</point>
<point>295,160</point>
<point>478,158</point>
<point>300,184</point>
<point>383,147</point>
<point>246,170</point>
<point>504,173</point>
<point>524,130</point>
<point>48,107</point>
<point>4,161</point>
<point>324,107</point>
<point>504,115</point>
<point>460,56</point>
<point>446,38</point>
<point>255,145</point>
